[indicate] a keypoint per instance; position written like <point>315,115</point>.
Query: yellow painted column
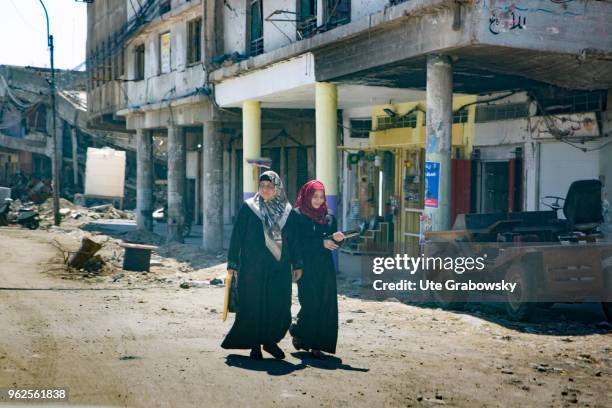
<point>251,146</point>
<point>326,105</point>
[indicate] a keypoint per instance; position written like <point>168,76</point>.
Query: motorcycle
<point>26,216</point>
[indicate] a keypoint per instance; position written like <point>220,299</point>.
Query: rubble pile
<point>31,188</point>
<point>85,214</point>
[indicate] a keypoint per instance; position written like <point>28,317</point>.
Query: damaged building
<point>26,136</point>
<point>360,95</point>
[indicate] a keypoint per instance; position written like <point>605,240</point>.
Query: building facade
<point>361,95</point>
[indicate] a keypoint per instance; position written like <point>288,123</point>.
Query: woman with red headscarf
<point>316,328</point>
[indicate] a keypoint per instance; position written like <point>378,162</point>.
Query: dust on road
<point>142,341</point>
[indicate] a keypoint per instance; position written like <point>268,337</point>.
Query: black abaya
<point>317,321</point>
<point>264,284</point>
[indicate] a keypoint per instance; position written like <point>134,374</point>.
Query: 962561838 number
<point>57,394</point>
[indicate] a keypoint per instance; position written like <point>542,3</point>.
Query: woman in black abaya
<point>316,328</point>
<point>263,252</point>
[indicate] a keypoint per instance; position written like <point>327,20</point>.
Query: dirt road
<point>144,342</point>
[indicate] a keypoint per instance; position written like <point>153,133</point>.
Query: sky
<point>23,33</point>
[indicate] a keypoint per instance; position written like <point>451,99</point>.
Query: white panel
<point>105,172</point>
<point>561,164</point>
<point>501,132</point>
<point>294,73</point>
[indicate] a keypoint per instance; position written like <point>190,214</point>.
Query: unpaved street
<point>142,341</point>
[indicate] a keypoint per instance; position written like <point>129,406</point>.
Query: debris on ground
<point>94,264</point>
<point>87,250</point>
<point>218,281</point>
<point>193,284</point>
<point>69,210</point>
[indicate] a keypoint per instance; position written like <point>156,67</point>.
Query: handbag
<point>230,303</point>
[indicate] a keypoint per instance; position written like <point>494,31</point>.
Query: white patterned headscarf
<point>273,213</point>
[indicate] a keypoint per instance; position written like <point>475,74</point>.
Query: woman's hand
<point>329,244</point>
<point>297,274</point>
<point>233,272</point>
<point>338,236</point>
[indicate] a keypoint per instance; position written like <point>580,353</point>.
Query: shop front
<point>387,197</point>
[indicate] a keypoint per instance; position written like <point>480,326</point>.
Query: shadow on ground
<point>562,319</point>
<point>329,363</point>
<point>269,365</point>
<point>282,367</point>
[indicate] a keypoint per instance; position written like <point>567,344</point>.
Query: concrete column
<point>212,158</point>
<point>251,146</point>
<point>326,105</point>
<point>198,188</point>
<point>144,180</point>
<point>75,157</point>
<point>438,144</point>
<point>227,183</point>
<point>233,182</point>
<point>176,184</point>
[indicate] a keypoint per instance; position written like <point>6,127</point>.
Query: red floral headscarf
<point>304,202</point>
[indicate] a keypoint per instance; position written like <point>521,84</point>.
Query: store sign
<point>164,54</point>
<point>432,184</point>
<point>575,125</point>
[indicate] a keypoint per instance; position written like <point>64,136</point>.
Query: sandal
<point>318,354</point>
<point>297,344</point>
<point>274,350</point>
<point>256,353</point>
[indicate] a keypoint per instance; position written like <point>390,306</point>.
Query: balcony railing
<point>257,47</point>
<point>307,27</point>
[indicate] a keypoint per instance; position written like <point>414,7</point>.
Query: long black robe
<point>317,321</point>
<point>264,284</point>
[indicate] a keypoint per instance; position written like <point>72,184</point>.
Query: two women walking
<point>271,245</point>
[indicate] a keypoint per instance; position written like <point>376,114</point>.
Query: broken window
<point>194,48</point>
<point>574,102</point>
<point>388,122</point>
<point>503,111</point>
<point>461,116</point>
<point>360,128</point>
<point>306,18</point>
<point>121,62</point>
<point>37,118</point>
<point>139,62</point>
<point>164,53</point>
<point>337,12</point>
<point>256,28</point>
<point>165,6</point>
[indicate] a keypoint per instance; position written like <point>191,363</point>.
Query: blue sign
<point>432,184</point>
